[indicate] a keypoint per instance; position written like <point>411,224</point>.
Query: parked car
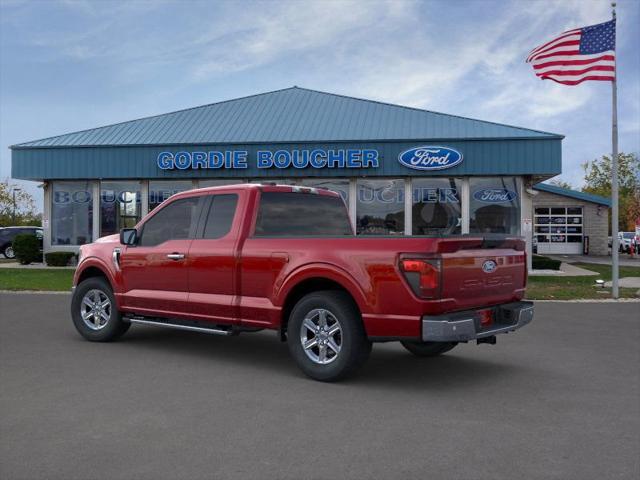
<point>625,239</point>
<point>243,258</point>
<point>7,234</point>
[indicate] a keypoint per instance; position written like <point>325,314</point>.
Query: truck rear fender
<point>314,277</point>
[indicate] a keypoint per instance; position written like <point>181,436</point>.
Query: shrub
<point>58,259</point>
<point>27,248</point>
<point>545,263</point>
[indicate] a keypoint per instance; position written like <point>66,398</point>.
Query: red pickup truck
<point>243,258</point>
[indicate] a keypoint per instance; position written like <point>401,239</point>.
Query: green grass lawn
<point>539,288</point>
<point>566,288</point>
<point>36,279</point>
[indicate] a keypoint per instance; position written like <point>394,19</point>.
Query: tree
<point>25,207</point>
<point>597,179</point>
<point>558,182</point>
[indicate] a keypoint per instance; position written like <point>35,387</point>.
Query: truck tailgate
<point>481,272</point>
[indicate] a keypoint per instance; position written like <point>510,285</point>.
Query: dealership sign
<point>266,159</point>
<point>495,195</point>
<point>430,158</point>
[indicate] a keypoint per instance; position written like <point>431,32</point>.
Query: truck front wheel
<point>326,337</point>
<point>428,349</point>
<point>94,311</point>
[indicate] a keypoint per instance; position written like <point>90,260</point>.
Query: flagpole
<point>614,176</point>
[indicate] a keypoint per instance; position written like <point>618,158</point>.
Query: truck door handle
<point>175,256</point>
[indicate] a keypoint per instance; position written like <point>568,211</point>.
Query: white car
<point>625,239</point>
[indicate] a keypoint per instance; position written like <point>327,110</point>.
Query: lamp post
<point>14,203</point>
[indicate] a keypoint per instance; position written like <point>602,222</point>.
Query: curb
<point>590,300</point>
<point>577,300</point>
<point>34,292</point>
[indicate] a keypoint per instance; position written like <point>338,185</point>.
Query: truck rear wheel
<point>428,349</point>
<point>94,311</point>
<point>326,337</point>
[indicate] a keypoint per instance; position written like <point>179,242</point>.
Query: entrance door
<point>155,271</point>
<point>559,230</point>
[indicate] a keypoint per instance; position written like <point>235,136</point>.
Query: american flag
<point>587,53</point>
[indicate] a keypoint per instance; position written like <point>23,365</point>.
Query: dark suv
<point>7,235</point>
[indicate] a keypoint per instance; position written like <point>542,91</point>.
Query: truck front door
<point>155,271</point>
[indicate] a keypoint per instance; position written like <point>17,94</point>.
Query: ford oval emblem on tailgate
<point>489,266</point>
<point>430,158</point>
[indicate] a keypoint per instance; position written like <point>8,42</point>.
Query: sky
<point>72,65</point>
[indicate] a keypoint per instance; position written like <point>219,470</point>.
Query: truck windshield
<point>285,214</point>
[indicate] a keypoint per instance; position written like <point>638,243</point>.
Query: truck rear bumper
<point>465,326</point>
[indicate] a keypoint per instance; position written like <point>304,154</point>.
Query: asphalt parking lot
<point>559,399</point>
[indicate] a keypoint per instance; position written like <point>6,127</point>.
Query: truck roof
<point>268,187</point>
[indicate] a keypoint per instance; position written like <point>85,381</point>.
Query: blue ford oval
<point>430,158</point>
<point>495,195</point>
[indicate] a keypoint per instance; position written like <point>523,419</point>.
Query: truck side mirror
<point>128,236</point>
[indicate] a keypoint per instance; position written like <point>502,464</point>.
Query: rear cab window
<point>293,214</point>
<point>219,219</point>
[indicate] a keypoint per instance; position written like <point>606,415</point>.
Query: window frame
<point>193,228</point>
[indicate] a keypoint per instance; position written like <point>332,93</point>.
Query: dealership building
<point>400,170</point>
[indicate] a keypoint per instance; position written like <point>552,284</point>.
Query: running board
<point>178,326</point>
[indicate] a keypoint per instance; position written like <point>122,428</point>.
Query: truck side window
<point>172,222</point>
<point>301,214</point>
<point>220,216</point>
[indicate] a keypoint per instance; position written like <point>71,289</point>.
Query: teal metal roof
<point>565,192</point>
<point>289,116</point>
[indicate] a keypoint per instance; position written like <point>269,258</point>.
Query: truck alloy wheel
<point>9,253</point>
<point>321,336</point>
<point>94,311</point>
<point>326,337</point>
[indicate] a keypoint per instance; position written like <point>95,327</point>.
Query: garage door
<point>558,229</point>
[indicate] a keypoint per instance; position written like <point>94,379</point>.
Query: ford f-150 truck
<point>243,258</point>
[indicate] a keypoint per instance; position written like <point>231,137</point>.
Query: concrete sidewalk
<point>566,270</point>
<point>625,260</point>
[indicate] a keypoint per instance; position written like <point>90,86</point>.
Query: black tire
<point>354,346</point>
<point>8,252</point>
<point>428,349</point>
<point>112,328</point>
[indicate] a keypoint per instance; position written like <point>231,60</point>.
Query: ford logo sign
<point>495,195</point>
<point>489,266</point>
<point>430,158</point>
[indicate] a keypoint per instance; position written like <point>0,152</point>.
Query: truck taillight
<point>423,276</point>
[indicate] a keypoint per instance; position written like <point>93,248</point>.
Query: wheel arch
<point>314,280</point>
<point>94,268</point>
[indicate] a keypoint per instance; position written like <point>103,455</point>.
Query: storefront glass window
<point>436,206</point>
<point>220,181</point>
<point>494,206</point>
<point>119,206</point>
<point>337,185</point>
<point>159,191</point>
<point>71,213</point>
<point>380,207</point>
<point>279,181</point>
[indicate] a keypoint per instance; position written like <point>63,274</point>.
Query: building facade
<point>570,222</point>
<point>400,170</point>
